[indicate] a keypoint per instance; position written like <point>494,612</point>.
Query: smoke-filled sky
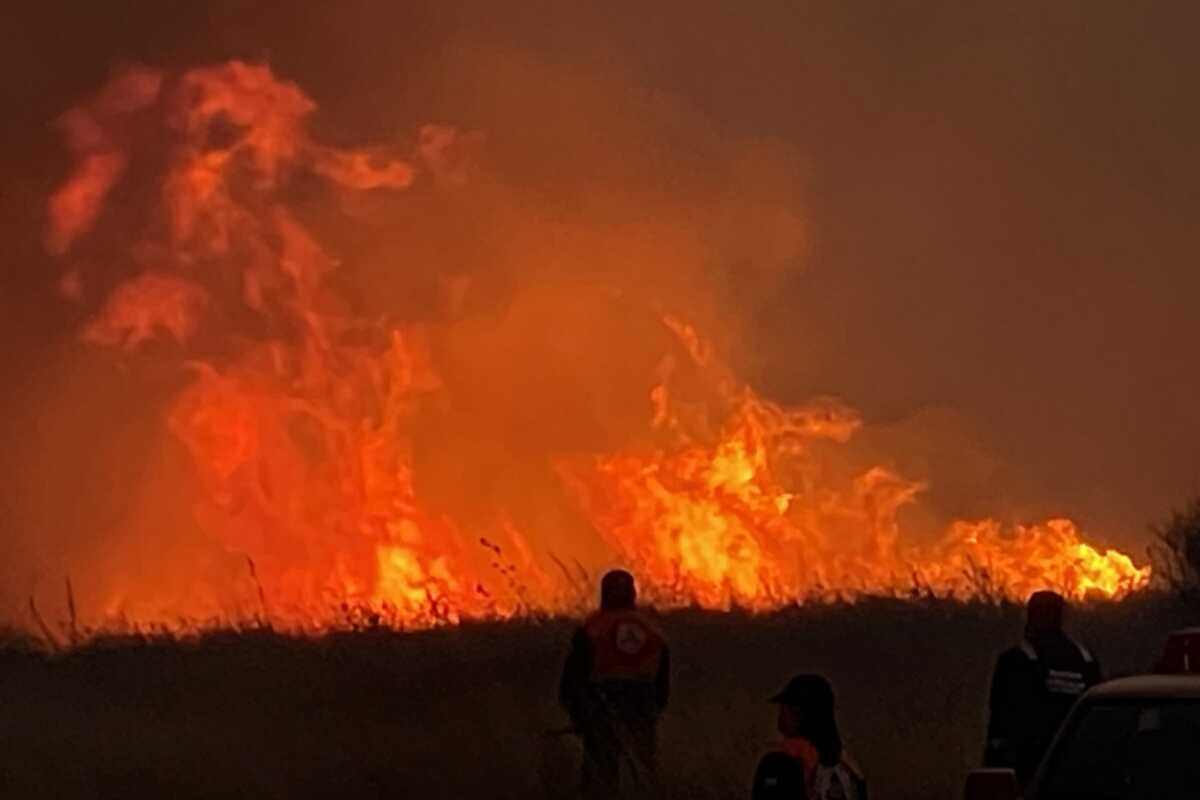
<point>973,223</point>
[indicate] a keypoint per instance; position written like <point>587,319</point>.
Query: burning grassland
<point>356,459</point>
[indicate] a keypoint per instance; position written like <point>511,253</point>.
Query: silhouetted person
<point>615,684</point>
<point>812,764</point>
<point>1034,686</point>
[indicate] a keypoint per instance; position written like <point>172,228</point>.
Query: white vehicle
<point>1130,739</point>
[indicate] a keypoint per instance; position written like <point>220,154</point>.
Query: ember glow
<point>299,421</point>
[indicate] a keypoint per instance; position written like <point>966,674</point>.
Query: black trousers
<point>620,757</point>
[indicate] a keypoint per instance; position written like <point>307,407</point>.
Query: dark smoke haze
<point>976,225</point>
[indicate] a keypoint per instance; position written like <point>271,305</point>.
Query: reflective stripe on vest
<point>1059,681</point>
<point>835,783</point>
<point>840,781</point>
<point>625,646</point>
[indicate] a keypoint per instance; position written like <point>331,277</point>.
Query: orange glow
<point>301,438</point>
<point>74,207</point>
<point>716,522</point>
<point>92,132</point>
<point>139,309</point>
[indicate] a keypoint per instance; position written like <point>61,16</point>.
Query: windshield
<point>1128,750</point>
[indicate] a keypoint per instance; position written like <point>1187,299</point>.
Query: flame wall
<point>326,448</point>
<point>916,246</point>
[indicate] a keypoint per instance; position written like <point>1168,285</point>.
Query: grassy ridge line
<point>459,712</point>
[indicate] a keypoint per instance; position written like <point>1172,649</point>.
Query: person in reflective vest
<point>1034,686</point>
<point>811,764</point>
<point>615,685</point>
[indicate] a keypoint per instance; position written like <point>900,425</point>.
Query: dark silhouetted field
<point>460,713</point>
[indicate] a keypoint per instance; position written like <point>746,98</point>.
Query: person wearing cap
<point>615,684</point>
<point>1034,686</point>
<point>812,764</point>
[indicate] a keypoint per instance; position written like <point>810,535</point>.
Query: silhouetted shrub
<point>1176,551</point>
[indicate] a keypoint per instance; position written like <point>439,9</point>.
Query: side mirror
<point>992,784</point>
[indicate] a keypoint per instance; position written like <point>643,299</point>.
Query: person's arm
<point>576,670</point>
<point>778,776</point>
<point>1009,694</point>
<point>1093,673</point>
<point>662,681</point>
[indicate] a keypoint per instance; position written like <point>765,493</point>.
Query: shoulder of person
<point>1017,656</point>
<point>580,636</point>
<point>852,767</point>
<point>651,622</point>
<point>779,775</point>
<point>618,615</point>
<point>1085,652</point>
<point>598,620</point>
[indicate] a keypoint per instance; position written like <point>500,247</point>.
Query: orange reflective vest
<point>625,646</point>
<point>803,751</point>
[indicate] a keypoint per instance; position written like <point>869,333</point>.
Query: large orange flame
<point>746,516</point>
<point>302,439</point>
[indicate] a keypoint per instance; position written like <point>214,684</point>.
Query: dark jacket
<point>1034,686</point>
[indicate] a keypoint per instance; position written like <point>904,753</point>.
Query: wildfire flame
<point>301,436</point>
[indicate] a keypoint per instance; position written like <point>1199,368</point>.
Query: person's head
<point>806,709</point>
<point>617,590</point>
<point>1044,613</point>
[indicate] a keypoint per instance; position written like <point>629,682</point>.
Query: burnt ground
<point>461,712</point>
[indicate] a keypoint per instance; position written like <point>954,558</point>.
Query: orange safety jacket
<point>625,646</point>
<point>618,663</point>
<point>806,753</point>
